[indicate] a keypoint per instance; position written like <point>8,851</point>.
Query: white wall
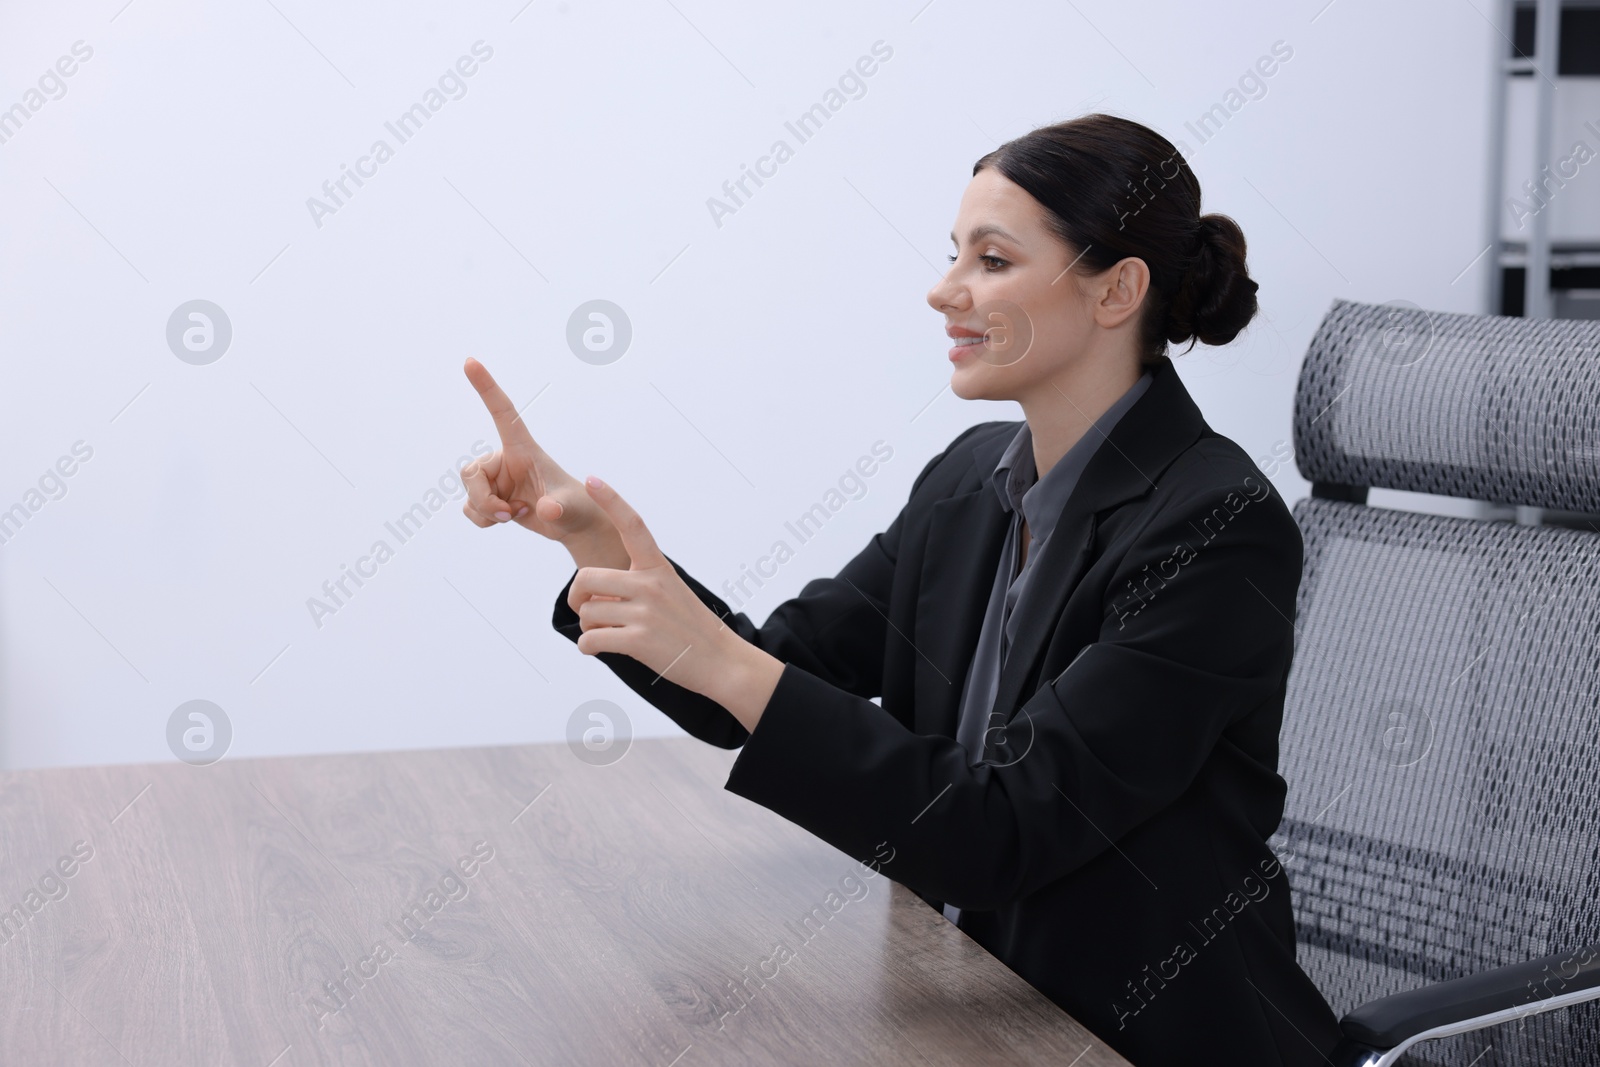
<point>769,353</point>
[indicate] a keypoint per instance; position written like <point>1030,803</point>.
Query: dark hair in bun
<point>1112,189</point>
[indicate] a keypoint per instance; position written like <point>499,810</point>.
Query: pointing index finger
<point>513,431</point>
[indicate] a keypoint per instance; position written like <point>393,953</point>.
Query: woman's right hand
<point>520,482</point>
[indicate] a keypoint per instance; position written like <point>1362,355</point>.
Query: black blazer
<point>1111,849</point>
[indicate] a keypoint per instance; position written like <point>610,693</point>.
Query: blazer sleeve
<point>834,631</point>
<point>1115,737</point>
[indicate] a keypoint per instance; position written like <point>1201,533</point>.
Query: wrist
<point>745,683</point>
<point>598,548</point>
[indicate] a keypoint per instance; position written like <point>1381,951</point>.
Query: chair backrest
<point>1441,734</point>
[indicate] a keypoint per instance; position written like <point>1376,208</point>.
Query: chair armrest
<point>1476,1001</point>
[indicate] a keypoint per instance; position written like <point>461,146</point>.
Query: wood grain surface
<point>485,906</point>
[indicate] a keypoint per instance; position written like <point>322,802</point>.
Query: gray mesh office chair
<point>1441,734</point>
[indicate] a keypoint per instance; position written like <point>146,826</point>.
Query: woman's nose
<point>946,296</point>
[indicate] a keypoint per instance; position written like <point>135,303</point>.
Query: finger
<point>566,507</point>
<point>557,506</point>
<point>481,496</point>
<point>475,476</point>
<point>598,612</point>
<point>512,429</point>
<point>605,639</point>
<point>549,509</point>
<point>635,535</point>
<point>600,582</point>
<point>481,519</point>
<point>478,519</point>
<point>490,465</point>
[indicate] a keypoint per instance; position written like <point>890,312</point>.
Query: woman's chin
<point>968,385</point>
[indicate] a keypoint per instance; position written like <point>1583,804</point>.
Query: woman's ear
<point>1121,291</point>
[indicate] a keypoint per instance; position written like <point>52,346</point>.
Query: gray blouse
<point>1024,494</point>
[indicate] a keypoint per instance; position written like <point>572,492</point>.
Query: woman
<point>1079,625</point>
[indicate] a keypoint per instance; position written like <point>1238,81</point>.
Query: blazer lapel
<point>965,537</point>
<point>1154,431</point>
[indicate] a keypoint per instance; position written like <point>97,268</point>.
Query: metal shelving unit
<point>1544,203</point>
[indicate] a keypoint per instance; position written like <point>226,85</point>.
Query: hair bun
<point>1082,172</point>
<point>1216,297</point>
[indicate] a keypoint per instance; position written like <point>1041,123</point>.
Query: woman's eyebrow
<point>984,230</point>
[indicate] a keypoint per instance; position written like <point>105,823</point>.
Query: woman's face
<point>1008,283</point>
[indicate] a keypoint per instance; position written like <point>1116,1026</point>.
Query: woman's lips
<point>960,352</point>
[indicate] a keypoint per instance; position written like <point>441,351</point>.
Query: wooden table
<point>506,905</point>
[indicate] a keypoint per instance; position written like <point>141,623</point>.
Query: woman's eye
<point>996,261</point>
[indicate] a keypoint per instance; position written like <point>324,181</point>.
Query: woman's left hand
<point>649,613</point>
